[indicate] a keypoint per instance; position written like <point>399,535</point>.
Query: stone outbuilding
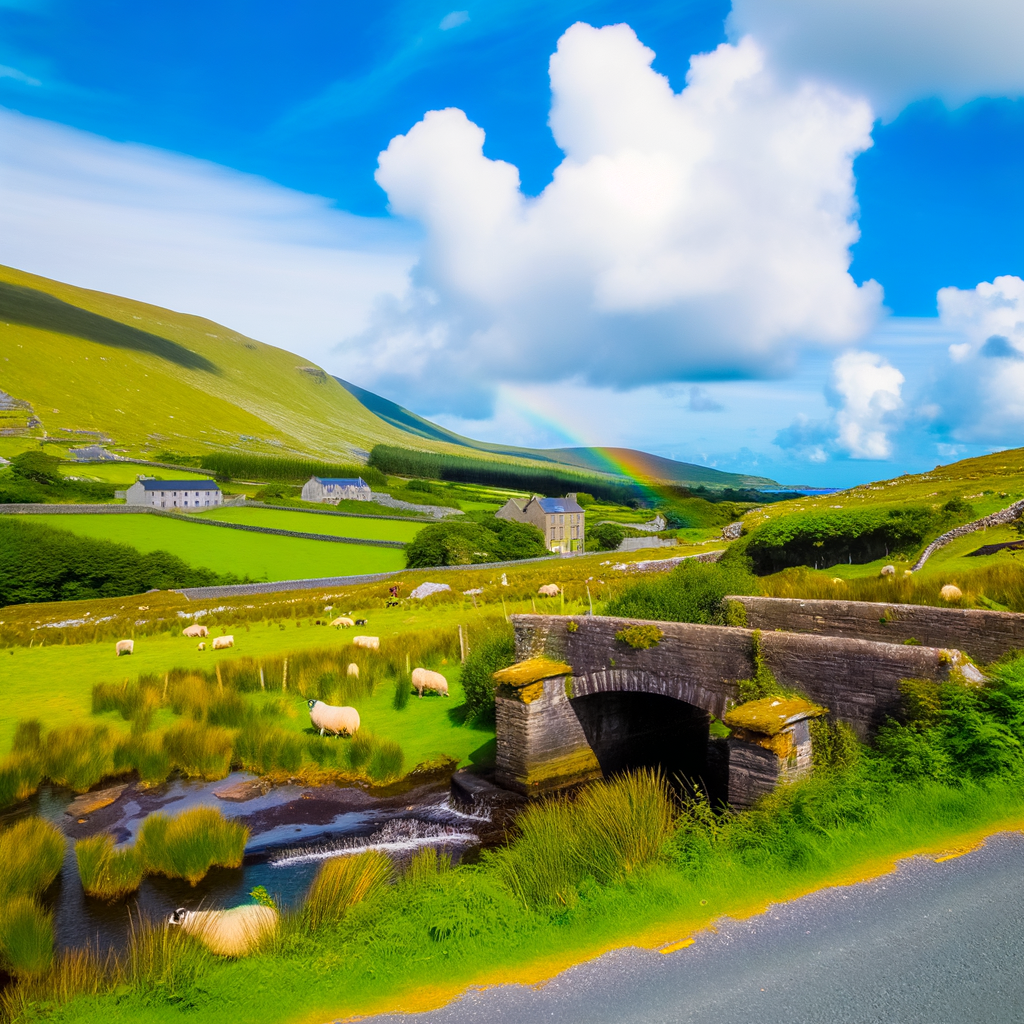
<point>331,490</point>
<point>561,520</point>
<point>175,493</point>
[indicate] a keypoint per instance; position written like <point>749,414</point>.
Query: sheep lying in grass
<point>424,679</point>
<point>233,932</point>
<point>352,670</point>
<point>331,718</point>
<point>195,630</point>
<point>222,642</point>
<point>342,622</point>
<point>951,592</point>
<point>371,643</point>
<point>125,647</point>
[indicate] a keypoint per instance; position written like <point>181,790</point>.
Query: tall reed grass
<point>188,845</point>
<point>199,750</point>
<point>106,872</point>
<point>78,756</point>
<point>26,937</point>
<point>342,882</point>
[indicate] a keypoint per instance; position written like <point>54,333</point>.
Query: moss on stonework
<point>770,715</point>
<point>640,637</point>
<point>531,671</point>
<point>576,767</point>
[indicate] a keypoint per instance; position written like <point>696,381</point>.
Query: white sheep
<point>371,643</point>
<point>201,647</point>
<point>951,592</point>
<point>424,679</point>
<point>221,643</point>
<point>342,622</point>
<point>549,590</point>
<point>125,647</point>
<point>331,718</point>
<point>233,932</point>
<point>195,630</point>
<point>352,670</point>
<point>888,570</point>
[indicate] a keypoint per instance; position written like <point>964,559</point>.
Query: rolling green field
<point>258,556</point>
<point>304,522</point>
<point>124,474</point>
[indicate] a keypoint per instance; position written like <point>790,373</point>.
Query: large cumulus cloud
<point>685,235</point>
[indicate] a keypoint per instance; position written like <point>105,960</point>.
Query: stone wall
<point>984,635</point>
<point>1006,515</point>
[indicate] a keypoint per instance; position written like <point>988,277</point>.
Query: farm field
<point>258,556</point>
<point>305,522</point>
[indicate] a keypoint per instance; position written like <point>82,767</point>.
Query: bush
<point>607,536</point>
<point>496,650</point>
<point>343,882</point>
<point>468,541</point>
<point>692,592</point>
<point>106,872</point>
<point>188,845</point>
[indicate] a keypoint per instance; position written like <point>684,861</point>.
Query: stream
<point>292,830</point>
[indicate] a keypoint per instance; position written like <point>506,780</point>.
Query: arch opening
<point>629,730</point>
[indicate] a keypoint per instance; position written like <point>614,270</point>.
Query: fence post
<point>220,682</point>
<point>262,685</point>
<point>284,677</point>
<point>462,647</point>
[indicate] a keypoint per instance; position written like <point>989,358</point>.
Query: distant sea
<point>809,491</point>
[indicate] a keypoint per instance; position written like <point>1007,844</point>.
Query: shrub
<point>692,592</point>
<point>106,872</point>
<point>188,845</point>
<point>26,937</point>
<point>341,883</point>
<point>607,536</point>
<point>31,855</point>
<point>199,750</point>
<point>465,541</point>
<point>640,638</point>
<point>496,650</point>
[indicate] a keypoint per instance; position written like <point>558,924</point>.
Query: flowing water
<point>293,829</point>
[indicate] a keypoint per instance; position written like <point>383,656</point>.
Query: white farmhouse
<point>335,489</point>
<point>174,493</point>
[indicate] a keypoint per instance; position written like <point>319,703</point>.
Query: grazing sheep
<point>342,621</point>
<point>888,570</point>
<point>424,679</point>
<point>352,670</point>
<point>951,592</point>
<point>330,717</point>
<point>125,647</point>
<point>371,643</point>
<point>201,647</point>
<point>233,932</point>
<point>220,643</point>
<point>360,622</point>
<point>549,590</point>
<point>195,630</point>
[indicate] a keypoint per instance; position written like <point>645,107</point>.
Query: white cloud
<point>684,235</point>
<point>273,263</point>
<point>980,395</point>
<point>869,389</point>
<point>893,51</point>
<point>18,76</point>
<point>453,20</point>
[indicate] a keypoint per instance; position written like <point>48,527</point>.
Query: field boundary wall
<point>1000,518</point>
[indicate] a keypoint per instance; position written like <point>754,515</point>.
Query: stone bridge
<point>591,704</point>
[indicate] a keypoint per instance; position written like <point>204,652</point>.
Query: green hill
<point>83,366</point>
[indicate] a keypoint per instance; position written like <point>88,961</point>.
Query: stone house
<point>174,493</point>
<point>561,520</point>
<point>335,489</point>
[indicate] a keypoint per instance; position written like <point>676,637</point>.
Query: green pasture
<point>305,522</point>
<point>258,556</point>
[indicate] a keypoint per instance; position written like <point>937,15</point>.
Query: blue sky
<point>188,154</point>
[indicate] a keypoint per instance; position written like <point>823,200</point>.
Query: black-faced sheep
<point>341,721</point>
<point>233,932</point>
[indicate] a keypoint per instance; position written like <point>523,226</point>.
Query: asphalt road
<point>930,944</point>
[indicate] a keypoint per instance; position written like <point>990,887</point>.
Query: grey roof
<point>559,505</point>
<point>180,485</point>
<point>340,481</point>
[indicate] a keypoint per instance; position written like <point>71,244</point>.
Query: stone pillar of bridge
<point>770,744</point>
<point>541,744</point>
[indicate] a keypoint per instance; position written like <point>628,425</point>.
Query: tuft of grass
<point>108,873</point>
<point>403,687</point>
<point>199,750</point>
<point>341,883</point>
<point>161,959</point>
<point>20,776</point>
<point>74,973</point>
<point>188,845</point>
<point>386,761</point>
<point>609,831</point>
<point>146,755</point>
<point>77,756</point>
<point>426,866</point>
<point>28,737</point>
<point>264,748</point>
<point>31,855</point>
<point>26,937</point>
